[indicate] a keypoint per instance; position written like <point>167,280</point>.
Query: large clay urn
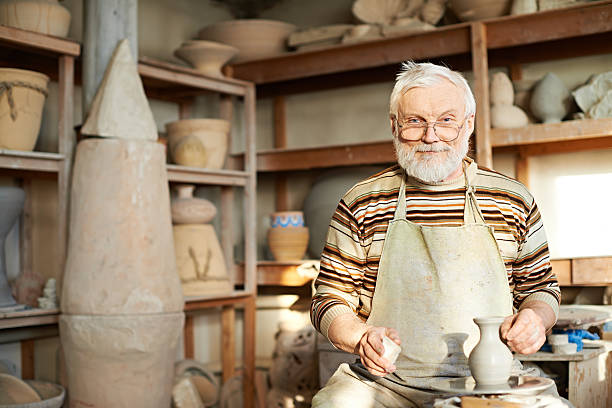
<point>22,96</point>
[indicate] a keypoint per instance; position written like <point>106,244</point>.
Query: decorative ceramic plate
<point>526,385</point>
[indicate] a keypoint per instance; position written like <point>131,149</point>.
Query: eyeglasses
<point>413,131</point>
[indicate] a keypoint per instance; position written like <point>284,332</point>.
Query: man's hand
<point>524,332</point>
<point>370,349</point>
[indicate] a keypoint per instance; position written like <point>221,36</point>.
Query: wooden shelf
<point>194,303</point>
<point>585,354</point>
<point>30,161</point>
<point>596,271</point>
<point>196,175</point>
<point>273,273</point>
<point>37,43</point>
<point>28,318</point>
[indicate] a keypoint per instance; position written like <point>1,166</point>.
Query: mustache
<point>423,147</point>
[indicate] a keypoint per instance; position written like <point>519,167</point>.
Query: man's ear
<point>470,124</point>
<point>392,121</point>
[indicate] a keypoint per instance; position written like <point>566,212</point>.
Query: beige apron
<point>431,283</point>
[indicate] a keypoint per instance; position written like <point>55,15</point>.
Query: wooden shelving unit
<point>180,85</point>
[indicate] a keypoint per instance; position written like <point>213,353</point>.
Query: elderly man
<point>417,251</point>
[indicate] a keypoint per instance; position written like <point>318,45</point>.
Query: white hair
<point>414,75</point>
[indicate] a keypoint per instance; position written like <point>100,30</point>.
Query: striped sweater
<point>350,258</point>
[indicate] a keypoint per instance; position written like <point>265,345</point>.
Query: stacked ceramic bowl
<point>208,57</point>
<point>287,235</point>
<point>198,142</point>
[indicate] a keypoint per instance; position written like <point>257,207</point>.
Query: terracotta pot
<point>254,38</point>
<point>20,125</point>
<point>187,209</point>
<point>287,219</point>
<point>288,244</point>
<point>208,57</point>
<point>471,10</point>
<point>43,16</point>
<point>490,361</point>
<point>213,133</point>
<point>120,254</point>
<point>120,361</point>
<point>200,260</point>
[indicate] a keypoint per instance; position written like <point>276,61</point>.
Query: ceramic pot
<point>120,252</point>
<point>508,117</point>
<point>19,126</point>
<point>200,261</point>
<point>43,16</point>
<point>187,209</point>
<point>14,391</point>
<point>490,361</point>
<point>287,219</point>
<point>523,7</point>
<point>288,244</point>
<point>550,100</point>
<point>213,133</point>
<point>111,357</point>
<point>208,57</point>
<point>471,10</point>
<point>11,203</point>
<point>383,11</point>
<point>254,38</point>
<point>502,91</point>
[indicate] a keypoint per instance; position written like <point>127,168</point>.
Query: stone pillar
<point>105,23</point>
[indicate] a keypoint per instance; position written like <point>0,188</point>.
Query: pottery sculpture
<point>208,57</point>
<point>213,133</point>
<point>383,11</point>
<point>503,112</point>
<point>595,97</point>
<point>43,16</point>
<point>11,202</point>
<point>524,7</point>
<point>490,361</point>
<point>550,101</point>
<point>471,10</point>
<point>186,209</point>
<point>254,38</point>
<point>287,236</point>
<point>22,96</point>
<point>122,305</point>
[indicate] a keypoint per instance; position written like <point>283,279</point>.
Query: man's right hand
<point>370,348</point>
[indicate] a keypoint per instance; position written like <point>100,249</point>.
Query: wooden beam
<point>522,167</point>
<point>227,229</point>
<point>592,271</point>
<point>562,268</point>
<point>250,192</point>
<point>228,341</point>
<point>188,338</point>
<point>249,353</point>
<point>273,273</point>
<point>515,72</point>
<point>484,153</point>
<point>27,359</point>
<point>280,141</point>
<point>38,42</point>
<point>195,175</point>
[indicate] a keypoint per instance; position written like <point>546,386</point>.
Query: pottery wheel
<point>526,385</point>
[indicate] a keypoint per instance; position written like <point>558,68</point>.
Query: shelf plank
<point>162,80</point>
<point>15,37</point>
<point>570,130</point>
<point>195,303</point>
<point>197,175</point>
<point>592,271</point>
<point>273,273</point>
<point>28,318</point>
<point>30,161</point>
<point>585,354</point>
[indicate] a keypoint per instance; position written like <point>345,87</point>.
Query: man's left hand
<point>524,332</point>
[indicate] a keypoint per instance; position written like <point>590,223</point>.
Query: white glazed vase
<point>490,361</point>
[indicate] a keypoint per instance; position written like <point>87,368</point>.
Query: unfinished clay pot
<point>384,11</point>
<point>502,92</point>
<point>213,133</point>
<point>43,16</point>
<point>14,391</point>
<point>11,203</point>
<point>21,109</point>
<point>187,209</point>
<point>433,10</point>
<point>490,361</point>
<point>550,100</point>
<point>120,231</point>
<point>288,244</point>
<point>254,38</point>
<point>112,357</point>
<point>523,7</point>
<point>508,117</point>
<point>471,10</point>
<point>208,57</point>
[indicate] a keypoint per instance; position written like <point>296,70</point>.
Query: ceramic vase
<point>490,361</point>
<point>254,38</point>
<point>43,16</point>
<point>20,116</point>
<point>550,100</point>
<point>288,242</point>
<point>208,57</point>
<point>187,209</point>
<point>11,203</point>
<point>472,10</point>
<point>212,133</point>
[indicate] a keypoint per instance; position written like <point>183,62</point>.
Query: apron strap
<point>400,210</point>
<point>471,210</point>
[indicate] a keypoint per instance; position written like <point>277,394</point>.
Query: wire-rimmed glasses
<point>413,131</point>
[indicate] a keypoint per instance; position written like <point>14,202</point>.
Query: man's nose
<point>430,135</point>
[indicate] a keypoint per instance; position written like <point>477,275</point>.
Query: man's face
<point>429,158</point>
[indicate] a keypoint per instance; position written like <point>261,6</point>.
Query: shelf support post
<point>484,152</point>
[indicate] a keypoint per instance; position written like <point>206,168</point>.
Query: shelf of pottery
<point>33,50</point>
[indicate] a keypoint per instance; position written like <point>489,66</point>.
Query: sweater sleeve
<point>532,272</point>
<point>340,278</point>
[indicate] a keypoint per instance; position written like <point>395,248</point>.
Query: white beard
<point>430,168</point>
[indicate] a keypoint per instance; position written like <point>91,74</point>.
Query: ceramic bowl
<point>208,57</point>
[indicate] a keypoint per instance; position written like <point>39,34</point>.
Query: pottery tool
<point>392,350</point>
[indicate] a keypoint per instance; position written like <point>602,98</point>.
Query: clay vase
<point>11,203</point>
<point>20,124</point>
<point>254,38</point>
<point>208,57</point>
<point>43,16</point>
<point>550,100</point>
<point>287,236</point>
<point>471,10</point>
<point>490,361</point>
<point>213,133</point>
<point>187,209</point>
